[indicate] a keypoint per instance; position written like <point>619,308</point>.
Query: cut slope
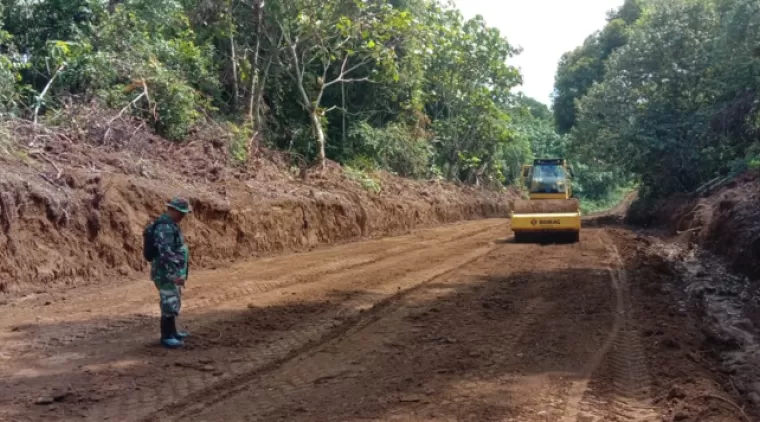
<point>73,203</point>
<point>725,219</point>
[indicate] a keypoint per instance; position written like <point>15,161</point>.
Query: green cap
<point>180,204</point>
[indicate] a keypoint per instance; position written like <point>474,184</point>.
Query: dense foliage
<point>665,95</point>
<point>667,92</point>
<point>598,188</point>
<point>410,86</point>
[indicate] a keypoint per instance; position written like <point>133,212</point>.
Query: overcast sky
<point>545,29</point>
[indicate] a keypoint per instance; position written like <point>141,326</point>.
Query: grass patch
<point>363,178</point>
<point>7,146</point>
<point>599,205</point>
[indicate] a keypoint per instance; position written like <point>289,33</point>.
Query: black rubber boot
<point>164,331</point>
<point>179,335</point>
<point>167,333</point>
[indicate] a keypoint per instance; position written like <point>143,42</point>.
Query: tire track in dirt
<point>622,357</point>
<point>632,381</point>
<point>281,391</point>
<point>278,389</point>
<point>364,286</point>
<point>346,264</point>
<point>358,312</point>
<point>527,319</point>
<point>483,343</point>
<point>250,286</point>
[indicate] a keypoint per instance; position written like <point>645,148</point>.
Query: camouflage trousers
<point>170,297</point>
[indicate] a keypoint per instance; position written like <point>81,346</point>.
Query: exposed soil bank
<point>725,220</point>
<point>715,252</point>
<point>700,346</point>
<point>73,207</point>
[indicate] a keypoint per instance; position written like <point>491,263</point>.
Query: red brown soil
<point>725,219</point>
<point>74,201</point>
<point>456,323</point>
<point>688,380</point>
<point>715,235</point>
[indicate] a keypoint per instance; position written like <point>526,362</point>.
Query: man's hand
<point>179,281</point>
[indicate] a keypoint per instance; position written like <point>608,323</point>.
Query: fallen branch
<point>693,229</point>
<point>41,154</point>
<point>142,125</point>
<point>144,94</point>
<point>65,138</point>
<point>132,103</point>
<point>45,90</point>
<point>49,180</point>
<point>59,172</point>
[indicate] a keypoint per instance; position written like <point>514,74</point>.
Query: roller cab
<point>550,210</point>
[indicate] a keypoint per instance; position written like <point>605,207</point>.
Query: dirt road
<point>455,323</point>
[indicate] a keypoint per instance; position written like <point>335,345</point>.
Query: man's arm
<point>169,258</point>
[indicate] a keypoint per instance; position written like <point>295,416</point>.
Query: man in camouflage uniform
<point>169,269</point>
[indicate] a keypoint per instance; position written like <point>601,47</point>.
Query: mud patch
<point>724,219</point>
<point>688,339</point>
<point>713,245</point>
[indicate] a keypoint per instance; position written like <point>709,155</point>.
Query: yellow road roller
<point>550,212</point>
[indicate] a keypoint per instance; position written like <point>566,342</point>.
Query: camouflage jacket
<point>172,261</point>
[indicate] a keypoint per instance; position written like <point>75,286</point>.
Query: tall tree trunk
<point>258,11</point>
<point>257,91</point>
<point>257,97</point>
<point>235,86</point>
<point>343,101</point>
<point>311,106</point>
<point>319,133</point>
<point>253,104</point>
<point>233,57</point>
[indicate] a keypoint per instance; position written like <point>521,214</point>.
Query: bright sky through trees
<point>545,29</point>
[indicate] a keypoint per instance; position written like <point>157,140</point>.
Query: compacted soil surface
<point>456,323</point>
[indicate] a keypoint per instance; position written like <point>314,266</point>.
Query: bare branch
<point>44,156</point>
<point>322,86</point>
<point>299,81</point>
<point>351,80</point>
<point>145,95</point>
<point>131,103</point>
<point>344,72</point>
<point>344,42</point>
<point>362,63</point>
<point>45,90</point>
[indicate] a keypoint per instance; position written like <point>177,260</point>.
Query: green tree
<point>581,68</point>
<point>9,70</point>
<point>468,81</point>
<point>406,85</point>
<point>677,105</point>
<point>333,43</point>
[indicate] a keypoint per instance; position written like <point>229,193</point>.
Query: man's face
<point>176,215</point>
